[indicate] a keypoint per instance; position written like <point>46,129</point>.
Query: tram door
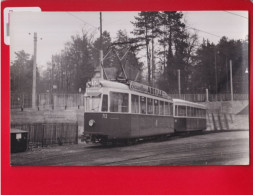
<point>118,121</point>
<point>180,124</point>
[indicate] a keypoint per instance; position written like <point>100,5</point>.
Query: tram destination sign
<point>148,90</point>
<point>94,83</point>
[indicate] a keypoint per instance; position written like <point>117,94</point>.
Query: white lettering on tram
<point>148,90</point>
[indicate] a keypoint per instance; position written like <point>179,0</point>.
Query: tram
<point>188,116</point>
<point>125,112</point>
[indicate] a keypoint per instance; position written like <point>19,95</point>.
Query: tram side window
<point>188,111</point>
<point>171,108</point>
<point>143,105</point>
<point>156,106</point>
<point>199,112</point>
<point>150,106</point>
<point>105,103</point>
<point>204,112</point>
<point>194,112</point>
<point>191,111</point>
<point>119,102</point>
<point>135,104</point>
<point>161,107</point>
<point>166,108</point>
<point>176,109</point>
<point>181,111</point>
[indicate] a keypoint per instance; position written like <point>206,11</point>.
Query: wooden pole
<point>231,81</point>
<point>179,83</point>
<point>101,48</point>
<point>34,72</point>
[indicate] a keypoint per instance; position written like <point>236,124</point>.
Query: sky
<point>54,29</point>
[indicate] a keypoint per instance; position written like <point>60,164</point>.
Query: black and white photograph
<point>129,88</point>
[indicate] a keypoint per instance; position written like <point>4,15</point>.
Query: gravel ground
<point>206,148</point>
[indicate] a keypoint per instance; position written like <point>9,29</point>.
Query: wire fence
<point>211,97</point>
<point>47,100</point>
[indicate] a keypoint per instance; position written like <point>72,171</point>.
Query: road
<point>206,148</point>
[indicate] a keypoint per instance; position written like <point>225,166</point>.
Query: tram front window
<point>118,102</point>
<point>92,103</point>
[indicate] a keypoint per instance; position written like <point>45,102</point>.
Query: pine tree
<point>172,38</point>
<point>146,29</point>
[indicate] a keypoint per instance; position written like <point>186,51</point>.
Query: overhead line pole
<point>179,83</point>
<point>216,82</point>
<point>101,48</point>
<point>34,72</point>
<point>231,81</point>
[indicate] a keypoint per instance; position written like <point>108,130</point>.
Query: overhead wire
<point>97,28</point>
<point>236,14</point>
<point>203,31</point>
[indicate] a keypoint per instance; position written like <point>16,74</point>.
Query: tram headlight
<point>91,122</point>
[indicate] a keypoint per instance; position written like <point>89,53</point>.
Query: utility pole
<point>215,66</point>
<point>52,83</point>
<point>179,83</point>
<point>207,98</point>
<point>226,74</point>
<point>34,72</point>
<point>231,81</point>
<point>101,48</point>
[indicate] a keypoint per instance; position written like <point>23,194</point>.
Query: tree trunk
<point>148,57</point>
<point>153,62</point>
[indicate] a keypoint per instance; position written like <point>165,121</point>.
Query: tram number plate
<point>104,115</point>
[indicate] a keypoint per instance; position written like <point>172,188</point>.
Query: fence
<point>44,134</point>
<point>45,100</point>
<point>211,97</point>
<point>19,100</point>
<point>60,100</point>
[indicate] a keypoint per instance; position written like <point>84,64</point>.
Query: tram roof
<point>137,87</point>
<point>113,84</point>
<point>188,103</point>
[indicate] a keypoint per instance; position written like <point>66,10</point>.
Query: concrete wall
<point>223,121</point>
<point>228,107</point>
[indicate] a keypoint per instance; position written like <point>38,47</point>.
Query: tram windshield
<point>92,103</point>
<point>119,102</point>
